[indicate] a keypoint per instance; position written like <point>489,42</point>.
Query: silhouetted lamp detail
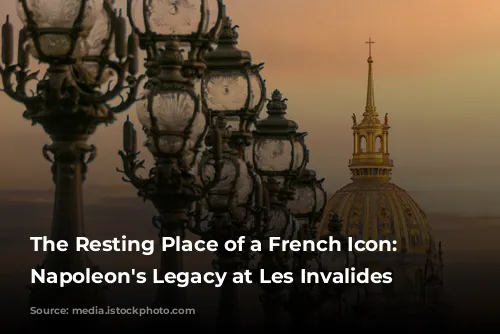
<point>234,94</point>
<point>345,296</point>
<point>278,149</point>
<point>174,118</point>
<point>231,194</point>
<point>75,43</point>
<point>229,210</point>
<point>307,208</point>
<point>279,155</point>
<point>129,137</point>
<point>432,283</point>
<point>309,201</point>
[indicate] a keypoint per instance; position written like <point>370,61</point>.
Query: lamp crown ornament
<point>227,54</point>
<point>277,104</point>
<point>276,122</point>
<point>335,225</point>
<point>167,66</point>
<point>229,34</point>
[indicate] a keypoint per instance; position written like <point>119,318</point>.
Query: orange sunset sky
<point>437,74</point>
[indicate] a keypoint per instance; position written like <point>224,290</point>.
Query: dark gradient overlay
<point>471,277</point>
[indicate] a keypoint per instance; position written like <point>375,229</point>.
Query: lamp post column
<point>283,226</point>
<point>228,314</point>
<point>234,90</point>
<point>69,168</point>
<point>307,208</point>
<point>171,225</point>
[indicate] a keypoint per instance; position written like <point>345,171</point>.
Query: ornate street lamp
<point>233,86</point>
<point>278,149</point>
<point>234,92</point>
<point>75,41</point>
<point>335,261</point>
<point>279,155</point>
<point>231,209</point>
<point>309,201</point>
<point>432,282</point>
<point>175,124</point>
<point>307,208</point>
<point>174,119</point>
<point>345,297</point>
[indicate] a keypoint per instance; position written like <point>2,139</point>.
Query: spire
<point>370,109</point>
<point>370,159</point>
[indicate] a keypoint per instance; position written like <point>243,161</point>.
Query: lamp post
<point>346,297</point>
<point>234,91</point>
<point>174,119</point>
<point>76,44</point>
<point>309,201</point>
<point>279,155</point>
<point>307,208</point>
<point>431,280</point>
<point>233,86</point>
<point>233,205</point>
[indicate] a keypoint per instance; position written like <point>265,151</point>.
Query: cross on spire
<point>370,42</point>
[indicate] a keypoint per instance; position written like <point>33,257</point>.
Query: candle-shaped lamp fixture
<point>129,137</point>
<point>120,36</point>
<point>7,42</point>
<point>133,45</point>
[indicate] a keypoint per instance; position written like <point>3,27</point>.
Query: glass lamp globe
<point>166,118</point>
<point>279,221</point>
<point>173,118</point>
<point>51,24</point>
<point>310,197</point>
<point>282,225</point>
<point>97,40</point>
<point>234,188</point>
<point>197,24</point>
<point>278,149</point>
<point>233,191</point>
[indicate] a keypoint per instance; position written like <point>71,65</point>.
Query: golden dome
<point>371,207</point>
<point>377,210</point>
